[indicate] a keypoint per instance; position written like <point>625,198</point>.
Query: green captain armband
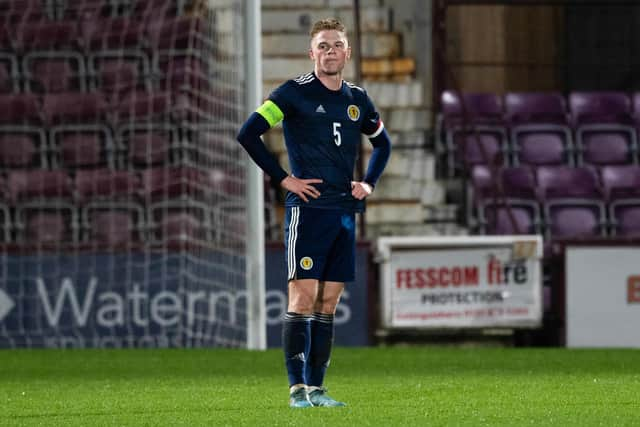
<point>271,112</point>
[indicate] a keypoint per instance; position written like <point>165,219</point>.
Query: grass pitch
<point>415,386</point>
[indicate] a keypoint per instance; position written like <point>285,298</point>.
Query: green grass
<point>415,386</point>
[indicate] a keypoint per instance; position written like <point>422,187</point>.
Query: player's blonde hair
<point>327,24</point>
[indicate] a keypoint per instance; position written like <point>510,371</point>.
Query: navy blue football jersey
<point>322,130</point>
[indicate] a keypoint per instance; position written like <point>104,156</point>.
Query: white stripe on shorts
<point>293,236</point>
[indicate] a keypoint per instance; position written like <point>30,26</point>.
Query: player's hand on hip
<point>360,189</point>
<point>301,187</point>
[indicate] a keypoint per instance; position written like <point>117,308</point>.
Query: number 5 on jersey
<point>336,133</point>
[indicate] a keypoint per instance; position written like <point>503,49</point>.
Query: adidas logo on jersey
<point>320,109</point>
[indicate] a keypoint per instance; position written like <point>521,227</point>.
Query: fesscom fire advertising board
<point>461,281</point>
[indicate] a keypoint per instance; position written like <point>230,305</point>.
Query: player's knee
<point>326,305</point>
<point>301,304</point>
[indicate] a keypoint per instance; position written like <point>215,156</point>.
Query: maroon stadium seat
<point>46,224</point>
<point>574,217</point>
<point>113,224</point>
<point>605,132</point>
<point>146,144</point>
<point>142,105</point>
<point>46,34</point>
<point>184,32</point>
<point>621,181</point>
<point>54,72</point>
<point>624,216</point>
<point>105,184</point>
<point>81,150</point>
<point>564,181</point>
<point>38,184</point>
<point>72,107</point>
<point>20,109</point>
<point>20,148</point>
<point>180,221</point>
<point>111,33</point>
<point>117,71</point>
<point>524,217</point>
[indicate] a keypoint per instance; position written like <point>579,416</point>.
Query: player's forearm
<point>379,157</point>
<point>249,138</point>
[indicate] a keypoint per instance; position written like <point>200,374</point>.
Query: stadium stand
<point>571,169</point>
<point>108,131</point>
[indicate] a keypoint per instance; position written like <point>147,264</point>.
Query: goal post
<point>256,315</point>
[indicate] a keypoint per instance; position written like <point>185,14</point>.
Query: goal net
<point>124,222</point>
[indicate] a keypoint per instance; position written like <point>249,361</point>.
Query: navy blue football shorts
<point>320,244</point>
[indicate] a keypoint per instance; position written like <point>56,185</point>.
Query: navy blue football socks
<point>321,342</point>
<point>296,339</point>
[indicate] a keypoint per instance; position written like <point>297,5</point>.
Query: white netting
<point>123,214</point>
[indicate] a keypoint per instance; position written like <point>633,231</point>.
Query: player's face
<point>329,51</point>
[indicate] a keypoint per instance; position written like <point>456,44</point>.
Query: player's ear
<point>349,52</point>
<point>311,54</point>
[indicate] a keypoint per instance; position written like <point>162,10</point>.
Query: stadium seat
<point>113,224</point>
<point>46,35</point>
<point>482,145</point>
<point>604,128</point>
<point>471,130</point>
<point>79,132</point>
<point>38,184</point>
<point>183,33</point>
<point>97,33</point>
<point>540,132</point>
<point>16,13</point>
<point>146,144</point>
<point>535,107</point>
<point>20,109</point>
<point>519,182</point>
<point>117,71</point>
<point>54,72</point>
<point>184,70</point>
<point>515,184</point>
<point>172,182</point>
<point>480,108</point>
<point>86,9</point>
<point>572,201</point>
<point>105,185</point>
<point>80,148</point>
<point>620,181</point>
<point>72,107</point>
<point>511,216</point>
<point>9,78</point>
<point>624,217</point>
<point>574,217</point>
<point>138,106</point>
<point>153,10</point>
<point>180,221</point>
<point>22,137</point>
<point>565,181</point>
<point>22,147</point>
<point>607,145</point>
<point>46,224</point>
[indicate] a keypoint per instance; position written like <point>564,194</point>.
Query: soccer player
<point>323,119</point>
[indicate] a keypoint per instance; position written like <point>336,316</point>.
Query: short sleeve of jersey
<point>372,124</point>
